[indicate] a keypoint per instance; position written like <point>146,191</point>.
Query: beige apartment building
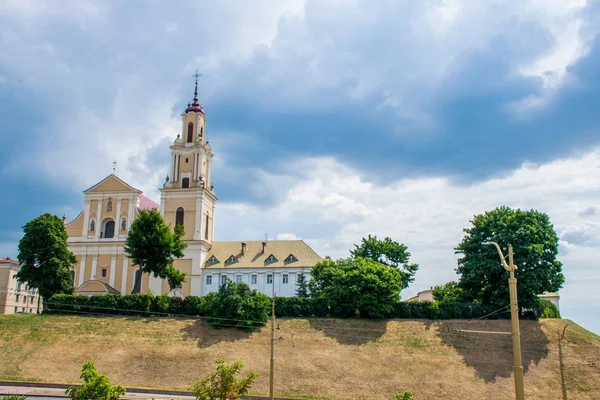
<point>15,297</point>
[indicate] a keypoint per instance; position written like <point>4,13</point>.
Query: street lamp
<point>514,316</point>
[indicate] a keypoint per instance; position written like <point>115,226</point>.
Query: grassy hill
<point>324,358</point>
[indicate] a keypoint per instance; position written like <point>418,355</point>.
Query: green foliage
<point>356,287</point>
<point>44,256</point>
<point>450,292</point>
<point>153,246</point>
<point>95,386</point>
<point>235,304</point>
<point>14,397</point>
<point>387,252</point>
<point>223,384</point>
<point>299,307</point>
<point>302,286</point>
<point>535,245</point>
<point>547,309</point>
<point>406,395</point>
<point>161,304</point>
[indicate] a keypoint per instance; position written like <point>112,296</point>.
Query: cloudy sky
<point>330,119</point>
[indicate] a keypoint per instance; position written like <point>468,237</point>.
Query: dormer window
<point>109,206</point>
<point>213,260</point>
<point>271,259</point>
<point>291,258</point>
<point>231,259</point>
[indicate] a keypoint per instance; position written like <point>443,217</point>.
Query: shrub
<point>406,395</point>
<point>236,305</point>
<point>223,383</point>
<point>547,309</point>
<point>190,305</point>
<point>105,304</point>
<point>160,304</point>
<point>293,307</point>
<point>67,302</point>
<point>136,304</point>
<point>176,305</point>
<point>95,386</point>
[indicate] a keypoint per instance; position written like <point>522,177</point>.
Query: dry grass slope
<point>324,358</point>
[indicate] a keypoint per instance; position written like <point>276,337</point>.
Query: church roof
<point>195,106</point>
<point>147,204</point>
<point>254,256</point>
<point>112,183</point>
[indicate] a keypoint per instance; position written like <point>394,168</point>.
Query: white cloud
<point>331,208</point>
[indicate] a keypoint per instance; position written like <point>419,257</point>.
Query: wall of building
<point>279,286</point>
<point>15,297</point>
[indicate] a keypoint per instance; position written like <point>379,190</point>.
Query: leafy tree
<point>302,286</point>
<point>390,253</point>
<point>547,309</point>
<point>223,384</point>
<point>356,287</point>
<point>95,386</point>
<point>235,304</point>
<point>535,245</point>
<point>153,246</point>
<point>449,292</point>
<point>45,258</point>
<point>406,395</point>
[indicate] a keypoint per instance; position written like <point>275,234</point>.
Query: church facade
<point>97,235</point>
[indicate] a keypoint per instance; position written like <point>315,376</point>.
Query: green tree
<point>45,258</point>
<point>153,246</point>
<point>95,386</point>
<point>302,286</point>
<point>236,304</point>
<point>535,245</point>
<point>390,253</point>
<point>223,384</point>
<point>449,292</point>
<point>356,287</point>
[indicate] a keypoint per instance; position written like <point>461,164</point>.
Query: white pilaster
<point>99,219</point>
<point>198,219</point>
<point>82,270</point>
<point>118,218</point>
<point>194,174</point>
<point>124,276</point>
<point>155,284</point>
<point>94,265</point>
<point>86,218</point>
<point>163,203</point>
<point>172,177</point>
<point>113,268</point>
<point>130,215</point>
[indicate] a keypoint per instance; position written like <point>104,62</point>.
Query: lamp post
<point>514,316</point>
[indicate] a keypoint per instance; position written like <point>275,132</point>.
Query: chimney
<point>327,258</point>
<point>264,246</point>
<point>243,247</point>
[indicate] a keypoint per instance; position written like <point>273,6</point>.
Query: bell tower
<point>187,196</point>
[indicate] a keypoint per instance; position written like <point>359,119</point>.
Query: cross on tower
<point>114,164</point>
<point>196,76</point>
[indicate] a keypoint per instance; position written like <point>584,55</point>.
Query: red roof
<point>147,204</point>
<point>9,260</point>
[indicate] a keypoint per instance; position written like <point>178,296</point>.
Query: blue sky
<point>329,119</point>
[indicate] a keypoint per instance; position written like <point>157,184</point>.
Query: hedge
<point>285,307</point>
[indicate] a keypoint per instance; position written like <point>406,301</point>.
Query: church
<point>97,235</point>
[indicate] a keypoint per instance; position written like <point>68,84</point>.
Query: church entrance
<point>109,230</point>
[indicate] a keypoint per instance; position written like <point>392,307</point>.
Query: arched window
<point>201,131</point>
<point>123,224</point>
<point>190,137</point>
<point>73,275</point>
<point>109,229</point>
<point>109,206</point>
<point>179,216</point>
<point>185,183</point>
<point>92,225</point>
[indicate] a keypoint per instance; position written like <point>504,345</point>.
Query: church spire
<point>195,106</point>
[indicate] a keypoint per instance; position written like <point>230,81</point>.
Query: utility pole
<point>562,365</point>
<point>514,316</point>
<point>272,372</point>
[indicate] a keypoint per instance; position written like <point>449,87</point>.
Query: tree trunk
<point>137,287</point>
<point>39,310</point>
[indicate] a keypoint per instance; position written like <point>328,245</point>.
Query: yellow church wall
<point>103,263</point>
<point>76,226</point>
<point>186,166</point>
<point>111,184</point>
<point>189,215</point>
<point>88,268</point>
<point>184,265</point>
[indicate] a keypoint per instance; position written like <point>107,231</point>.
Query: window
<point>109,229</point>
<point>72,275</point>
<point>223,279</point>
<point>16,310</point>
<point>103,274</point>
<point>179,216</point>
<point>185,183</point>
<point>269,278</point>
<point>271,259</point>
<point>231,259</point>
<point>206,228</point>
<point>30,310</point>
<point>17,298</point>
<point>209,279</point>
<point>31,300</point>
<point>291,258</point>
<point>285,278</point>
<point>190,135</point>
<point>92,225</point>
<point>201,131</point>
<point>24,299</point>
<point>186,160</point>
<point>238,278</point>
<point>123,224</point>
<point>213,259</point>
<point>253,279</point>
<point>109,205</point>
<point>19,285</point>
